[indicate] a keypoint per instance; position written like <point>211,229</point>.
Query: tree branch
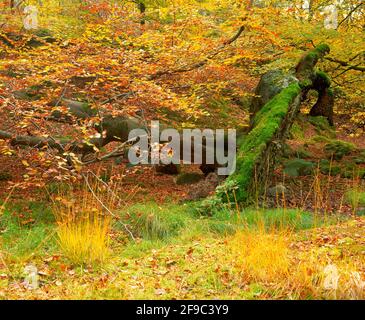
<point>346,64</point>
<point>200,63</point>
<point>349,14</point>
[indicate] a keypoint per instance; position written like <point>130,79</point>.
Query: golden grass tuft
<point>262,255</point>
<point>84,224</point>
<point>84,239</point>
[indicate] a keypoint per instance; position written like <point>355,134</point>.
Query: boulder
<point>298,167</point>
<point>278,190</point>
<point>271,84</point>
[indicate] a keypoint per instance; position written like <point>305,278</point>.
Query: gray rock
<point>271,84</point>
<point>31,280</point>
<point>278,190</point>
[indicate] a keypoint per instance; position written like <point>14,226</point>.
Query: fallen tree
<point>274,109</point>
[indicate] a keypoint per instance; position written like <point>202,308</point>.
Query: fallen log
<point>274,111</point>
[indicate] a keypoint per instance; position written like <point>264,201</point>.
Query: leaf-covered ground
<point>201,262</point>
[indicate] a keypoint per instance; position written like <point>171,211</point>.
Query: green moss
<point>305,83</point>
<point>337,149</point>
<point>188,178</point>
<point>298,167</point>
<point>323,48</point>
<point>306,65</point>
<point>323,78</point>
<point>297,131</point>
<point>266,124</point>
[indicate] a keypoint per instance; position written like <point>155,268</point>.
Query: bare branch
<point>349,14</point>
<point>200,63</point>
<point>346,64</point>
<point>106,208</point>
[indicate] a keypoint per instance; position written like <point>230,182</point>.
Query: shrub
<point>355,198</point>
<point>84,239</point>
<point>298,167</point>
<point>338,149</point>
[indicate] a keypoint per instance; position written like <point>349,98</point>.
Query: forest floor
<point>204,259</point>
<point>308,243</point>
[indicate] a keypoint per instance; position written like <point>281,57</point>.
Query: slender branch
<point>200,63</point>
<point>346,64</point>
<point>106,208</point>
<point>349,14</point>
<point>117,152</point>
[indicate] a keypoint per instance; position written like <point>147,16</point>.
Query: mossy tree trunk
<point>324,105</point>
<point>274,113</point>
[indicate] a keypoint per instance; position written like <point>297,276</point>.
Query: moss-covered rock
<point>271,83</point>
<point>298,167</point>
<point>337,149</point>
<point>27,94</point>
<point>188,178</point>
<point>328,168</point>
<point>43,33</point>
<point>34,92</point>
<point>171,169</point>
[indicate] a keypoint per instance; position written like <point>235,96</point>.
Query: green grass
<point>157,226</point>
<point>279,218</point>
<point>177,249</point>
<point>356,198</point>
<point>26,230</point>
<point>151,221</point>
<point>282,219</point>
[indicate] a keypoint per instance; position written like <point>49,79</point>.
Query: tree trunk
<point>274,113</point>
<point>324,105</point>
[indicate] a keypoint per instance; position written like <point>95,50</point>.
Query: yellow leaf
<point>25,163</point>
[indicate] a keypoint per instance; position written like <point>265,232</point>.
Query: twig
<point>200,63</point>
<point>349,14</point>
<point>115,153</point>
<point>106,208</point>
<point>346,64</point>
<point>122,95</point>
